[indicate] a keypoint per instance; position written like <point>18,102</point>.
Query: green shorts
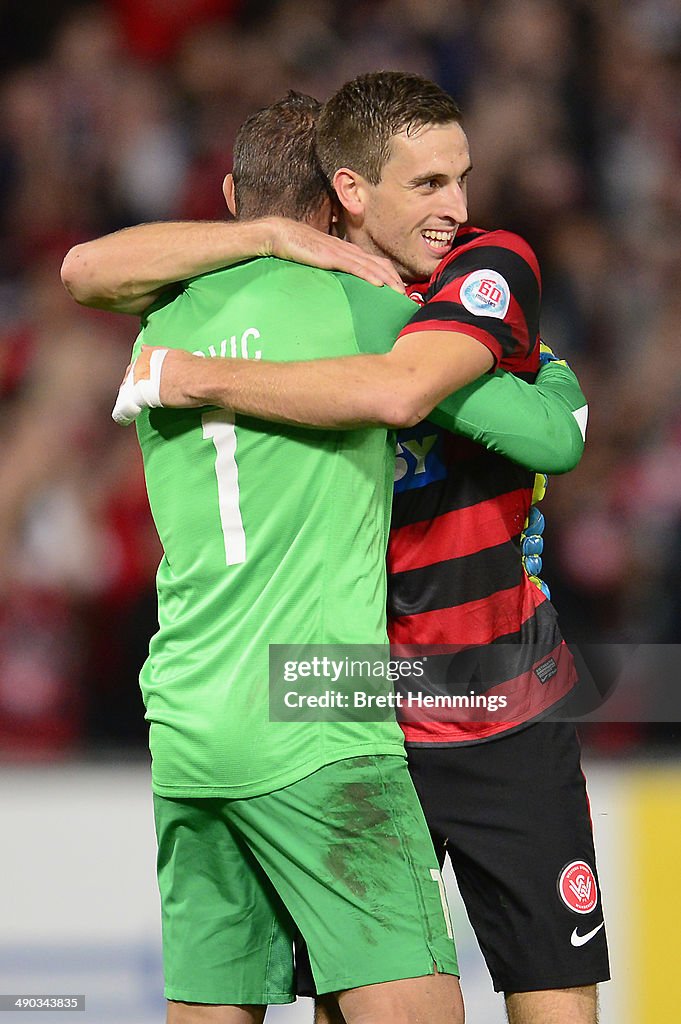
<point>343,854</point>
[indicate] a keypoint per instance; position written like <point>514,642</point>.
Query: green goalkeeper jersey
<point>277,535</point>
<point>271,534</point>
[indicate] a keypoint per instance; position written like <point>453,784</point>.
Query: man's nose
<point>456,205</point>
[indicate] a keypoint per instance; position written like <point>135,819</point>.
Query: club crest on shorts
<point>485,293</point>
<point>577,887</point>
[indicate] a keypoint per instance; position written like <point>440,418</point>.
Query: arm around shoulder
<point>126,271</point>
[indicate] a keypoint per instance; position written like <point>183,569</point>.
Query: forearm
<point>394,389</point>
<point>531,424</point>
<point>341,394</point>
<point>125,271</point>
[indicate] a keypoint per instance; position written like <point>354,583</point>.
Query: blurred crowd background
<point>122,111</point>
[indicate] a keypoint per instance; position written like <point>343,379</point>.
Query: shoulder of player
<point>301,284</point>
<point>359,290</point>
<point>512,242</point>
<point>499,239</point>
<point>377,314</point>
<point>254,266</point>
<point>497,251</point>
<point>215,286</point>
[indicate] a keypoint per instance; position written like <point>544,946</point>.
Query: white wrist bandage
<point>144,394</point>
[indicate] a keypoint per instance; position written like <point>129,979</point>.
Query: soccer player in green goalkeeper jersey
<point>277,535</point>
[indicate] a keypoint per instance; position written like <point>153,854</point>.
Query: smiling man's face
<point>411,216</point>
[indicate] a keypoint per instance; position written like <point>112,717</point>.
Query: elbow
<point>574,450</point>
<point>399,410</point>
<point>75,277</point>
<point>570,460</point>
<point>80,273</point>
<point>399,414</point>
<point>565,456</point>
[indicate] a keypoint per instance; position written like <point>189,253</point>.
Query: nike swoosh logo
<point>580,940</point>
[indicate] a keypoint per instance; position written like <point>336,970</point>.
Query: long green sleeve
<point>540,426</point>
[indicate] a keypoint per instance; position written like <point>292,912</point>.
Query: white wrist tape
<point>144,394</point>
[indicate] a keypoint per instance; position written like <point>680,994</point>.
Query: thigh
<point>514,816</point>
<point>227,937</point>
<point>348,850</point>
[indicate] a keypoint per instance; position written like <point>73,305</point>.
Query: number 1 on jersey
<point>218,426</point>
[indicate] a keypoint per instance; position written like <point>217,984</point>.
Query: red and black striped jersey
<point>457,584</point>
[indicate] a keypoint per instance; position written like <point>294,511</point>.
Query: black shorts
<point>513,815</point>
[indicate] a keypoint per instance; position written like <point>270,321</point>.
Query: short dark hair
<point>356,126</point>
<point>275,165</point>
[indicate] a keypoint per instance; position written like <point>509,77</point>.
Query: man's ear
<point>351,189</point>
<point>228,193</point>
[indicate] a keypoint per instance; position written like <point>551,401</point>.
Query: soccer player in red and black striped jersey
<point>504,796</point>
